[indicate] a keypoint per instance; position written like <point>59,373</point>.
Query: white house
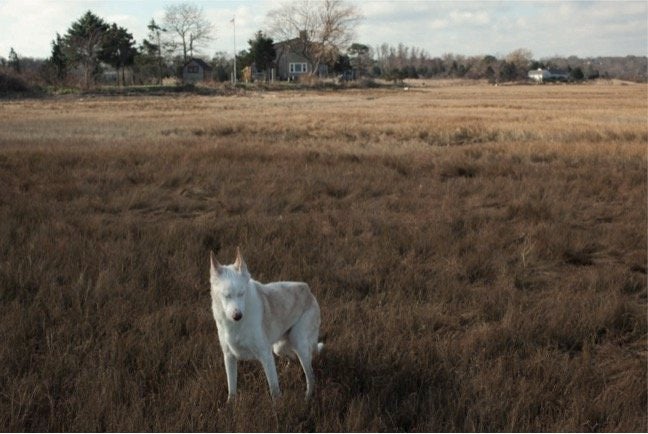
<point>541,75</point>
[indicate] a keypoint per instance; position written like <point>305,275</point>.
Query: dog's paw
<point>228,405</point>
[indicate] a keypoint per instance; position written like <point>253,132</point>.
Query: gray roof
<point>200,62</point>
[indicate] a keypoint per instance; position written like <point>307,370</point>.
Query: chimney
<point>303,35</point>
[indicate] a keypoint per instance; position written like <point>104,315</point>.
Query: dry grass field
<point>479,254</point>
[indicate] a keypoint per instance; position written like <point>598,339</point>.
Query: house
<point>196,70</point>
<point>541,75</point>
<point>291,59</point>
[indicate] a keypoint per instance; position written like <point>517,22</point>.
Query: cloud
<point>29,26</point>
<point>546,28</point>
<point>469,18</point>
<point>586,28</point>
<point>249,18</point>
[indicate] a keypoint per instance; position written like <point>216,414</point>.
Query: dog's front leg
<point>268,362</point>
<point>230,368</point>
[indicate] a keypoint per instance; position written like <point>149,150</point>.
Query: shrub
<point>12,83</point>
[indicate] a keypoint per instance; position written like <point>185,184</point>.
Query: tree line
<point>81,55</point>
<point>91,44</point>
<point>399,62</point>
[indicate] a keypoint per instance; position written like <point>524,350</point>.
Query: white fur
<point>279,316</point>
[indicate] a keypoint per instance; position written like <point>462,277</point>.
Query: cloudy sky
<point>547,28</point>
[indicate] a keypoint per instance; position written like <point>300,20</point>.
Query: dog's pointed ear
<point>239,263</point>
<point>214,265</point>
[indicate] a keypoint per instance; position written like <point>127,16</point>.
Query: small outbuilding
<point>196,70</point>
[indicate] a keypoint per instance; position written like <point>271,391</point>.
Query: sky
<point>546,28</point>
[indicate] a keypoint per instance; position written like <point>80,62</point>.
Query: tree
<point>507,71</point>
<point>222,65</point>
<point>57,59</point>
<point>324,28</point>
<point>490,74</point>
<point>243,58</point>
<point>520,60</point>
<point>262,51</point>
<point>150,60</point>
<point>83,44</point>
<point>536,65</point>
<point>577,74</point>
<point>342,64</point>
<point>14,61</point>
<point>360,57</point>
<point>187,22</point>
<point>119,49</point>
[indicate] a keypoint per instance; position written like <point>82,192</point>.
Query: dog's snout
<point>237,315</point>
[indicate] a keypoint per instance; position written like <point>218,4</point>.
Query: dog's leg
<point>305,358</point>
<point>303,338</point>
<point>268,362</point>
<point>230,368</point>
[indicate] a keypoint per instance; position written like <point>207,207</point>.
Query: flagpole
<point>234,73</point>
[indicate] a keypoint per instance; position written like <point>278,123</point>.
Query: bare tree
<point>324,27</point>
<point>520,60</point>
<point>188,23</point>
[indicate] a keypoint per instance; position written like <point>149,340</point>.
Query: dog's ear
<point>239,263</point>
<point>215,266</point>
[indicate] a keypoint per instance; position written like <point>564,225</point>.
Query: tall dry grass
<point>479,255</point>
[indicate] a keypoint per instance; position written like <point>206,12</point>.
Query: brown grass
<point>479,255</point>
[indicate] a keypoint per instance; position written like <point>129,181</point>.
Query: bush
<point>11,82</point>
<point>577,74</point>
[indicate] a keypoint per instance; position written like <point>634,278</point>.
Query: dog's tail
<point>320,345</point>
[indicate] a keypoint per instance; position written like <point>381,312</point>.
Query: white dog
<point>254,319</point>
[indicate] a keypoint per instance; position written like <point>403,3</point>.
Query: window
<point>298,68</point>
<point>193,69</point>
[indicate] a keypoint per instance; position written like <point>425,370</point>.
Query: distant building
<point>541,75</point>
<point>196,70</point>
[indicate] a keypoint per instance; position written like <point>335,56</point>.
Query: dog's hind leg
<point>303,338</point>
<point>305,358</point>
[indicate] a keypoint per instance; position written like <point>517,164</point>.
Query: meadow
<point>479,255</point>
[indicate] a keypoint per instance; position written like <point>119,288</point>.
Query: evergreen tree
<point>84,43</point>
<point>577,74</point>
<point>57,58</point>
<point>342,64</point>
<point>14,61</point>
<point>262,51</point>
<point>119,49</point>
<point>359,56</point>
<point>153,47</point>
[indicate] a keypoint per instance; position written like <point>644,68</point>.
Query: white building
<point>541,75</point>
